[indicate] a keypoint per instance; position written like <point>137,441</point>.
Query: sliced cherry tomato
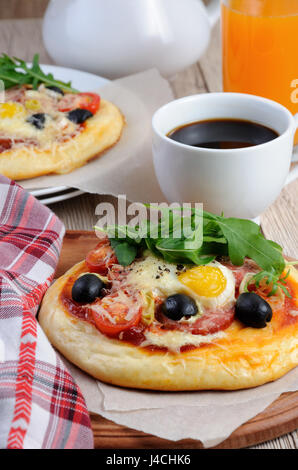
<point>117,312</point>
<point>101,258</point>
<point>89,101</point>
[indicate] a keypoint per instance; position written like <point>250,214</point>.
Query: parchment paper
<point>127,168</point>
<point>209,417</point>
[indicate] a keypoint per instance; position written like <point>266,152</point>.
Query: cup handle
<point>213,11</point>
<point>293,174</point>
<point>295,156</point>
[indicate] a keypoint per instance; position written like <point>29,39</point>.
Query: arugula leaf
<point>236,238</point>
<point>151,245</point>
<point>274,281</point>
<point>275,245</point>
<point>124,251</point>
<point>214,239</point>
<point>245,239</point>
<point>14,71</point>
<point>211,228</point>
<point>216,249</point>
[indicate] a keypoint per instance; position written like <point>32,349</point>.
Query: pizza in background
<point>48,127</point>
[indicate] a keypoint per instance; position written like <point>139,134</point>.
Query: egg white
<point>227,296</point>
<point>162,279</point>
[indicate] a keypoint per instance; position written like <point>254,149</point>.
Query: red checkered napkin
<point>40,405</point>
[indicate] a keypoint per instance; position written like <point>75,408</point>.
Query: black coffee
<point>223,134</point>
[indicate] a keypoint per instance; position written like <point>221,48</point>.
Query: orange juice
<point>260,49</point>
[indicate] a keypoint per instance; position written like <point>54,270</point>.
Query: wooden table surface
<point>23,38</point>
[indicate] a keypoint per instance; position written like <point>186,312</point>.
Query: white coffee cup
<point>239,182</point>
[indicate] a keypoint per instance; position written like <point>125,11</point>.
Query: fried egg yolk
<point>11,110</point>
<point>211,286</point>
<point>206,281</point>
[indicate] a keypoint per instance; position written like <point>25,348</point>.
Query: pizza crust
<point>101,132</point>
<point>244,358</point>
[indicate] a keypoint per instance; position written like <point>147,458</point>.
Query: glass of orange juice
<point>260,49</point>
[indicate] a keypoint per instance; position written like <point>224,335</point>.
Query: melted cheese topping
<point>14,123</point>
<point>152,274</point>
<point>174,340</point>
<point>161,279</point>
<point>106,306</point>
<point>164,279</point>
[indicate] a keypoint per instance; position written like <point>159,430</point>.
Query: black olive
<point>253,310</point>
<point>37,120</point>
<point>78,115</point>
<point>87,288</point>
<point>179,305</point>
<point>56,89</point>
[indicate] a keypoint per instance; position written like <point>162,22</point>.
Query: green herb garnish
<point>14,71</point>
<point>275,282</point>
<point>124,251</point>
<point>213,236</point>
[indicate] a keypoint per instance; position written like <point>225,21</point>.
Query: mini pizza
<point>160,325</point>
<point>47,130</point>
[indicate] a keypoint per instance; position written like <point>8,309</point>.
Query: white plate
<point>46,191</point>
<point>56,194</point>
<point>82,81</point>
<point>69,194</point>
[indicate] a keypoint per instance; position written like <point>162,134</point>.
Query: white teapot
<point>114,38</point>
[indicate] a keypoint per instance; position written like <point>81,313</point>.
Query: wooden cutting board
<point>279,418</point>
